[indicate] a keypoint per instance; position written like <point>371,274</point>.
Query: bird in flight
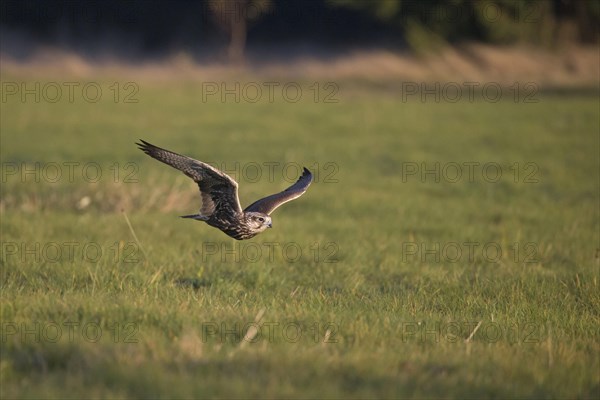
<point>219,192</point>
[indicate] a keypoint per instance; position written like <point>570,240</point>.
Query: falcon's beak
<point>270,225</point>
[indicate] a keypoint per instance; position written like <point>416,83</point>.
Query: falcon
<point>219,193</point>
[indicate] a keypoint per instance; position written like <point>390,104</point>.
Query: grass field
<point>444,250</point>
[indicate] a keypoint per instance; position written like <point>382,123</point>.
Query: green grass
<point>373,318</point>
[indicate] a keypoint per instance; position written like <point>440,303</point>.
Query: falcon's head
<point>257,221</point>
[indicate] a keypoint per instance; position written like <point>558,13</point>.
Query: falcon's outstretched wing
<point>270,203</point>
<point>218,190</point>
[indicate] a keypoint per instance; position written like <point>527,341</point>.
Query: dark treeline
<point>157,27</point>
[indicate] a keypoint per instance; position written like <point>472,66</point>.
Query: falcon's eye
<point>261,219</point>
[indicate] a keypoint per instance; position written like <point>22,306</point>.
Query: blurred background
<point>353,33</point>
